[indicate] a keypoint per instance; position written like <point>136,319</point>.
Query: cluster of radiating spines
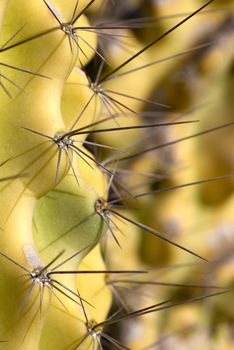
<point>37,56</point>
<point>61,198</point>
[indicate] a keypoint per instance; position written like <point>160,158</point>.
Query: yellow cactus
<point>89,104</point>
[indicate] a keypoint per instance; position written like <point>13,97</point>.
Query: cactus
<point>87,115</point>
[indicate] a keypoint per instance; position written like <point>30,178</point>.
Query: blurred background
<point>187,76</point>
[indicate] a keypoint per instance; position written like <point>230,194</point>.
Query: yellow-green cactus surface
<point>116,174</point>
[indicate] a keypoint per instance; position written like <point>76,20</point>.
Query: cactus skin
<point>34,108</point>
<point>50,227</point>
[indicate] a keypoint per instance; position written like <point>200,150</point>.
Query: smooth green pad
<point>65,218</point>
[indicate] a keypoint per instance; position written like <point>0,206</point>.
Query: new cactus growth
<point>86,120</point>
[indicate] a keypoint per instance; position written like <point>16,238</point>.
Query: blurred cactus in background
<point>116,174</point>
